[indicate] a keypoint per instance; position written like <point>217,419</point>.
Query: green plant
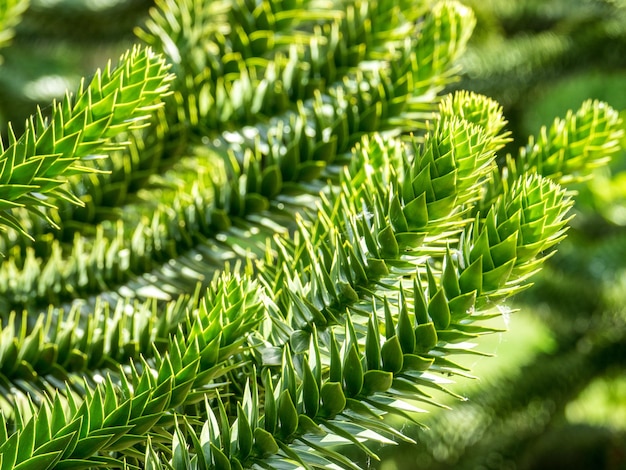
<point>527,53</point>
<point>294,245</point>
<point>538,59</point>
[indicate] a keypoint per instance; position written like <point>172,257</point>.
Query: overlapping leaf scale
<point>228,51</point>
<point>523,223</point>
<point>335,393</point>
<point>446,175</point>
<point>123,172</point>
<point>367,374</point>
<point>568,151</point>
<point>115,415</point>
<point>299,147</point>
<point>335,389</point>
<point>478,109</point>
<point>34,167</point>
<point>58,349</point>
<point>107,419</point>
<point>423,190</point>
<point>354,242</point>
<point>356,369</point>
<point>357,78</point>
<point>383,374</point>
<point>222,34</point>
<point>361,232</point>
<point>575,145</point>
<point>442,36</point>
<point>114,181</point>
<point>288,422</point>
<point>392,103</point>
<point>364,373</point>
<point>151,234</point>
<point>298,151</point>
<point>306,46</point>
<point>494,259</point>
<point>62,350</point>
<point>281,437</point>
<point>142,241</point>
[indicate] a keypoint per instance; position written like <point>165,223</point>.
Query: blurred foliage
<point>527,52</point>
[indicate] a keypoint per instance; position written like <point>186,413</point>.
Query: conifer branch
<point>305,143</point>
<point>365,370</point>
<point>378,230</point>
<point>35,166</point>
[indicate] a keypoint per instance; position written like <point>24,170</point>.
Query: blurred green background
<point>555,394</point>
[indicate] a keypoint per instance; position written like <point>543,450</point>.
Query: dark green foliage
<point>290,237</point>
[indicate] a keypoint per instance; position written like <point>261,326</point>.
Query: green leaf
<point>461,305</point>
<point>377,381</point>
<point>352,372</point>
<point>40,461</point>
<point>410,241</point>
<point>246,182</point>
<point>8,450</point>
<point>271,181</point>
<point>264,443</point>
<point>495,278</point>
<point>471,279</point>
<point>220,460</point>
<point>391,353</point>
<point>287,415</point>
<point>335,373</point>
<point>416,212</point>
<point>388,244</point>
<point>271,412</point>
<point>26,442</point>
<point>425,337</point>
<point>372,344</point>
<point>89,445</point>
<point>404,328</point>
<point>310,392</point>
<point>180,454</point>
<point>244,434</point>
<point>333,398</point>
<point>413,362</point>
<point>396,216</point>
<point>439,311</point>
<point>307,426</point>
<point>505,251</point>
<point>449,279</point>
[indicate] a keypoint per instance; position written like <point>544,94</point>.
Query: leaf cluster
<point>290,238</point>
